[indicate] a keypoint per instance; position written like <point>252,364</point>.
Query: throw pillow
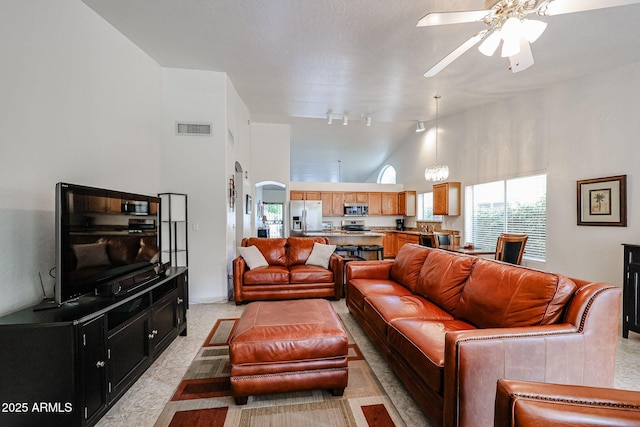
<point>320,255</point>
<point>253,257</point>
<point>91,255</point>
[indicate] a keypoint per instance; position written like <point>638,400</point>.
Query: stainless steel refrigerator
<point>306,216</point>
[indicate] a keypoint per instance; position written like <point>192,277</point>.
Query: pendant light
<point>436,172</point>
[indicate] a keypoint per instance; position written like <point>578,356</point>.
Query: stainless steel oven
<point>356,209</point>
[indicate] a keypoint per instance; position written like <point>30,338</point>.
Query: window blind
<point>516,205</point>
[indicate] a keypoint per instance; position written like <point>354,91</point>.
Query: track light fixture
<point>345,120</point>
<point>368,120</point>
<point>329,117</point>
<point>420,126</point>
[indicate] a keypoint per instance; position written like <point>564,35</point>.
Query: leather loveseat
<point>452,325</point>
<point>287,276</point>
<point>532,404</point>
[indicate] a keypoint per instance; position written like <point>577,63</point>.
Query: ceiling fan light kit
<point>506,22</point>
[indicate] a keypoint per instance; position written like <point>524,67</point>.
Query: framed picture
<point>603,201</point>
<point>248,205</point>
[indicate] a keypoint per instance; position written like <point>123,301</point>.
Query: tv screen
<point>103,238</point>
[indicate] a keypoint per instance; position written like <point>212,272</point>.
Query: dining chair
<point>443,238</point>
<point>510,247</point>
<point>428,240</point>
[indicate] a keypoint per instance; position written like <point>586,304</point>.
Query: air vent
<point>193,129</point>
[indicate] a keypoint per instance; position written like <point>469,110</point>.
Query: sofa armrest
<point>239,267</point>
<point>476,359</point>
<point>336,265</point>
<point>522,403</point>
<point>369,269</point>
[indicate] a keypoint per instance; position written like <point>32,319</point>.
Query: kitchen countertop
<point>341,233</point>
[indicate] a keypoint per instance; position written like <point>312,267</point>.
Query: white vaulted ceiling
<point>292,60</point>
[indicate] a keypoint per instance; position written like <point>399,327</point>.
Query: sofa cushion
<point>407,264</point>
<point>299,248</point>
<point>309,274</point>
<point>320,255</point>
<point>358,289</point>
<point>442,278</point>
<point>252,257</point>
<point>420,343</point>
<point>379,310</point>
<point>497,294</point>
<point>274,250</point>
<point>271,275</point>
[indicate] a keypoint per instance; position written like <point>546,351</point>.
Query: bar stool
<point>350,250</point>
<point>378,249</point>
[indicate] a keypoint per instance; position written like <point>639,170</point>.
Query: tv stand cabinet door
<point>129,354</point>
<point>93,369</point>
<point>164,322</point>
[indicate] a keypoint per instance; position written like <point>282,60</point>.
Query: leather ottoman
<point>283,346</point>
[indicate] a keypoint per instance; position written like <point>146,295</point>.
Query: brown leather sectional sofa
<point>287,276</point>
<point>452,325</point>
<point>532,404</point>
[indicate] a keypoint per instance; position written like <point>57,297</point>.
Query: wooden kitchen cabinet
<point>407,203</point>
<point>356,197</point>
<point>446,198</point>
<point>375,203</point>
<point>389,204</point>
<point>296,195</point>
<point>404,238</point>
<point>327,208</point>
<point>390,243</point>
<point>312,195</point>
<point>337,203</point>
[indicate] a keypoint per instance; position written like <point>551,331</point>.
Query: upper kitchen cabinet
<point>375,203</point>
<point>337,203</point>
<point>356,197</point>
<point>446,198</point>
<point>389,204</point>
<point>296,195</point>
<point>312,195</point>
<point>407,203</point>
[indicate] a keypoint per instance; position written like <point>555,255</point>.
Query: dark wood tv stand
<point>67,366</point>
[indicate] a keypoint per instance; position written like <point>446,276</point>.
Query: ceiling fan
<point>507,23</point>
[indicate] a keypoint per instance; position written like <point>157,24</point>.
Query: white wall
<point>196,165</point>
<point>270,153</point>
<point>576,130</point>
<point>81,104</point>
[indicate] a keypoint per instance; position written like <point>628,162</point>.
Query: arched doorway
<point>272,209</point>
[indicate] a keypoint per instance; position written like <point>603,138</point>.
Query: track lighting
<point>420,126</point>
<point>329,118</point>
<point>345,120</point>
<point>368,120</point>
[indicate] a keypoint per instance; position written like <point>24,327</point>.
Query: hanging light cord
<point>437,97</point>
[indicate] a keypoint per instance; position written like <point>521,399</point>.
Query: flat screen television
<point>105,240</point>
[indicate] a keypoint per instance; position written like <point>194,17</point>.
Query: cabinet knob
<point>155,332</point>
<point>151,336</point>
<point>100,364</point>
<point>180,300</point>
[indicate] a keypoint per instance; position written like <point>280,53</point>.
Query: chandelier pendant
<point>436,172</point>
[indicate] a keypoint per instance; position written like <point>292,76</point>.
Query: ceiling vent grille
<point>193,129</point>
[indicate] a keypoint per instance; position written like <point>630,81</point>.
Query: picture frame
<point>248,205</point>
<point>603,201</point>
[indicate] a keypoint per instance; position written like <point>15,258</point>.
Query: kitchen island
<point>349,238</point>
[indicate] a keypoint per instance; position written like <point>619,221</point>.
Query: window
<point>425,208</point>
<point>387,175</point>
<point>511,206</point>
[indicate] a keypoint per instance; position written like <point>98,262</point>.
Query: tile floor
<point>144,401</point>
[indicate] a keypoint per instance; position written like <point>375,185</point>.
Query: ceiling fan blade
<point>558,7</point>
<point>455,54</point>
<point>523,59</point>
<point>445,18</point>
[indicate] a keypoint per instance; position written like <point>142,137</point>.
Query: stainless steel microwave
<point>356,209</point>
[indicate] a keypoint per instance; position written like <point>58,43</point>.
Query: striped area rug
<point>203,398</point>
